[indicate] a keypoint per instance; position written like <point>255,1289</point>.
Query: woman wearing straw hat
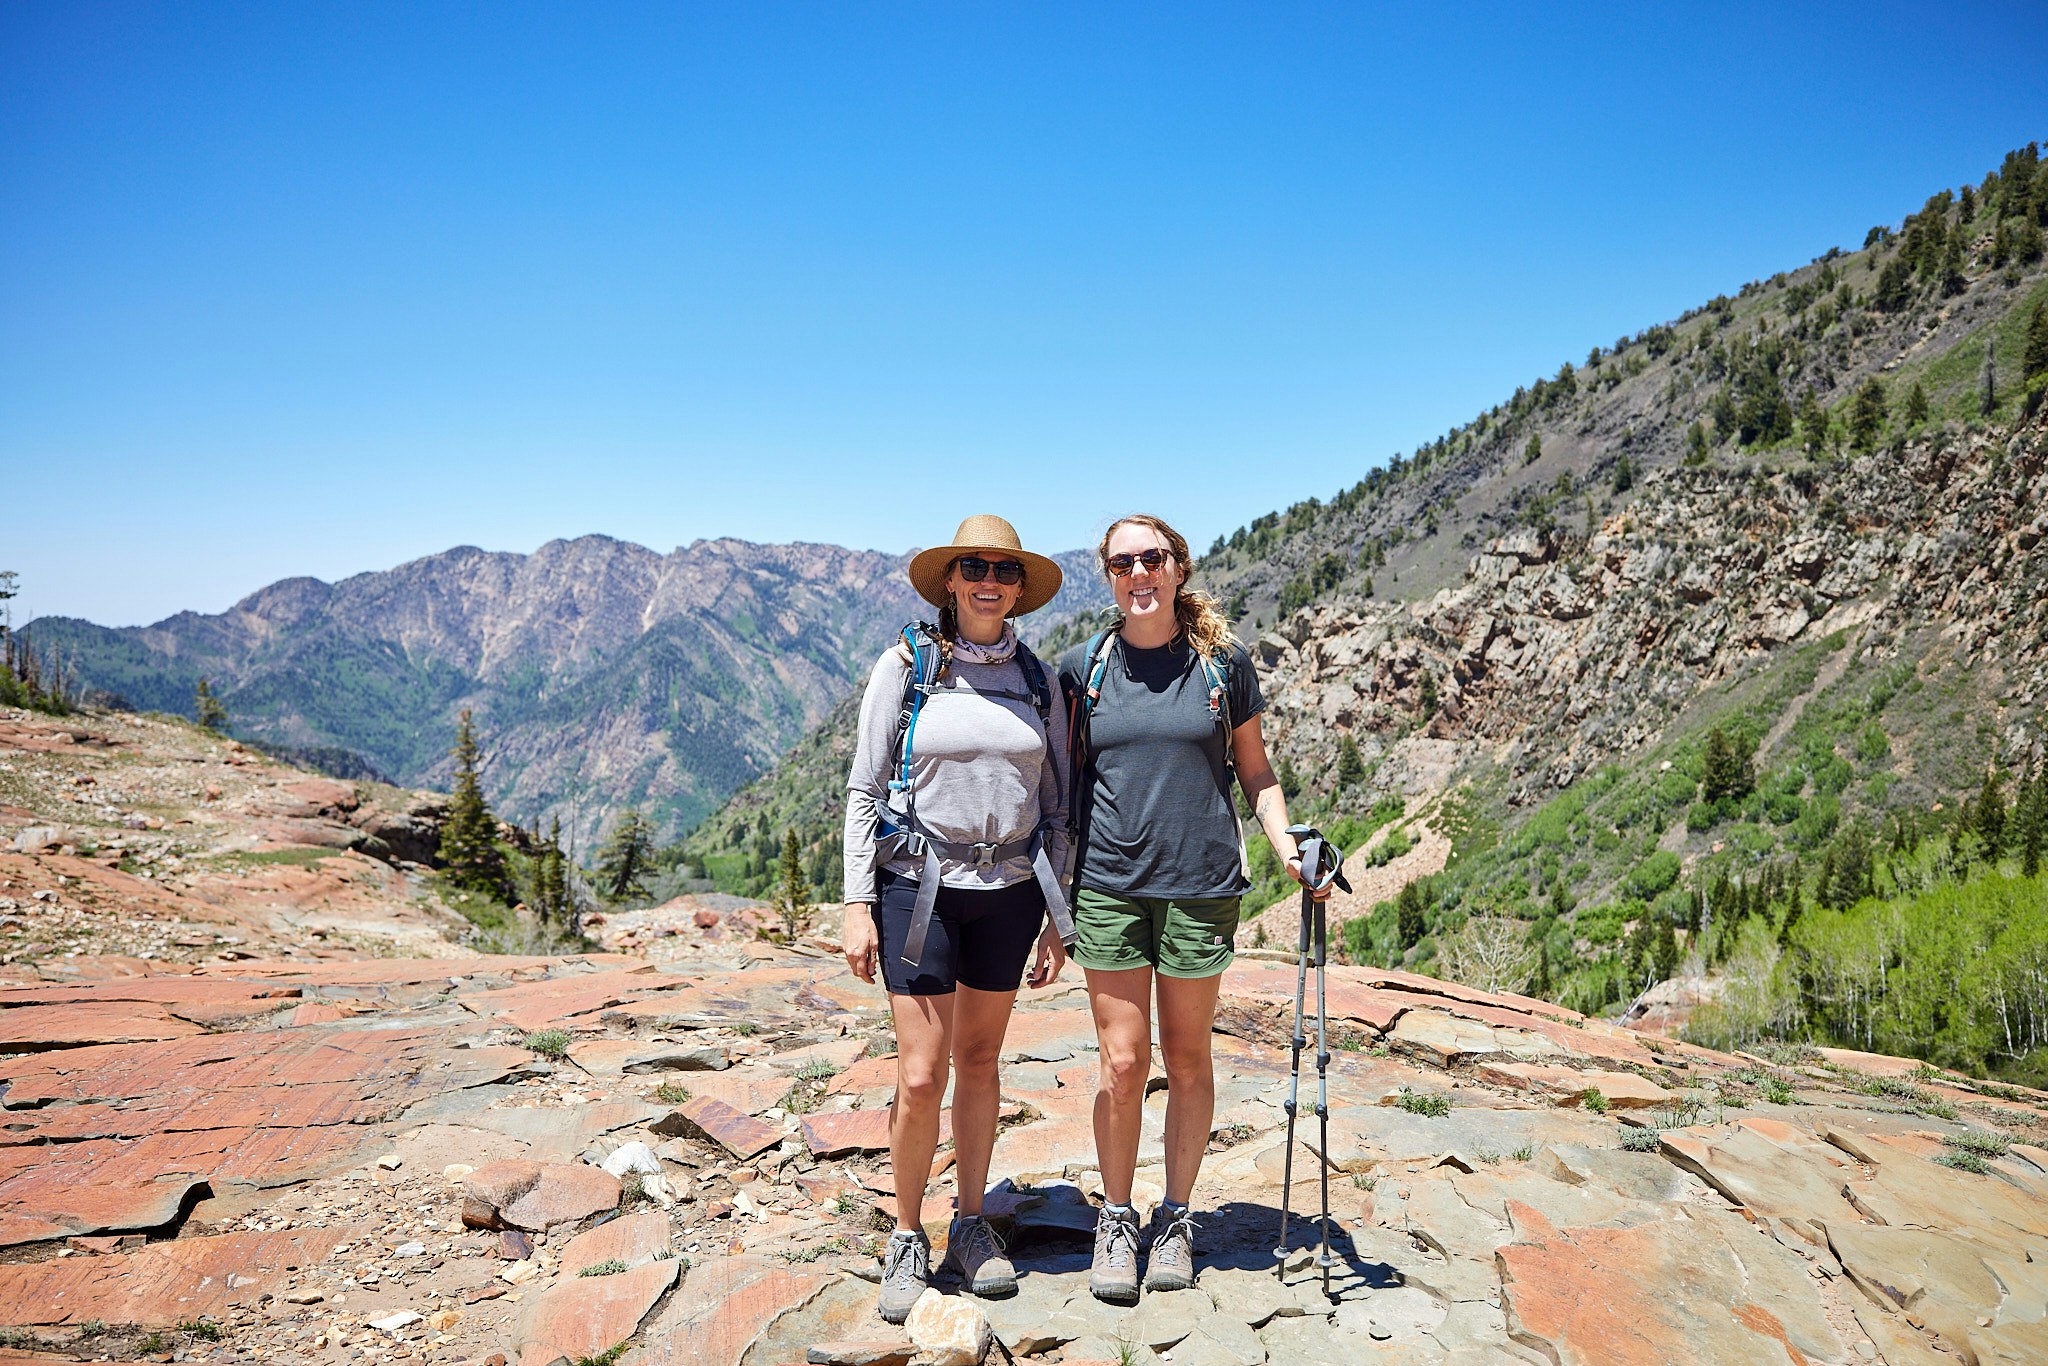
<point>1166,707</point>
<point>956,843</point>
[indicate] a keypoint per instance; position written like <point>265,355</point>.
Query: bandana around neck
<point>967,652</point>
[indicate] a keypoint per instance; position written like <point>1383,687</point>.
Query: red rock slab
<point>1345,999</point>
<point>412,971</point>
<point>537,1195</point>
<point>164,1283</point>
<point>410,1064</point>
<point>764,995</point>
<point>560,1000</point>
<point>108,967</point>
<point>30,1029</point>
<point>741,1135</point>
<point>186,1111</point>
<point>632,1240</point>
<point>1051,1035</point>
<point>318,1013</point>
<point>1596,1039</point>
<point>1043,1151</point>
<point>1395,980</point>
<point>724,1306</point>
<point>53,1190</point>
<point>1563,1085</point>
<point>747,1091</point>
<point>1672,1290</point>
<point>841,1132</point>
<point>865,1075</point>
<point>589,1315</point>
<point>177,993</point>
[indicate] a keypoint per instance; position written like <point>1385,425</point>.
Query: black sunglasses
<point>1120,565</point>
<point>974,569</point>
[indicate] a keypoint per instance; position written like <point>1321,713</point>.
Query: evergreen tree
<point>2035,359</point>
<point>1866,415</point>
<point>1624,474</point>
<point>1894,286</point>
<point>793,897</point>
<point>1813,423</point>
<point>1727,769</point>
<point>469,834</point>
<point>552,896</point>
<point>1428,696</point>
<point>1953,281</point>
<point>1350,768</point>
<point>1988,819</point>
<point>1408,916</point>
<point>1533,452</point>
<point>1987,403</point>
<point>626,856</point>
<point>211,711</point>
<point>1852,868</point>
<point>1916,405</point>
<point>1696,446</point>
<point>1663,950</point>
<point>2033,822</point>
<point>1795,906</point>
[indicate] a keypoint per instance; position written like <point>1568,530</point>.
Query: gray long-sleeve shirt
<point>982,770</point>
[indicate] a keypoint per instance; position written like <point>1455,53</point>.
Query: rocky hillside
<point>601,673</point>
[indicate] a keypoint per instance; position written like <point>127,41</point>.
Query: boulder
<point>535,1195</point>
<point>949,1331</point>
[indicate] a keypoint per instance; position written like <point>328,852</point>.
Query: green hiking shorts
<point>1176,936</point>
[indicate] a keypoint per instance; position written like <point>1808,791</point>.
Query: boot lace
<point>978,1241</point>
<point>1118,1241</point>
<point>908,1261</point>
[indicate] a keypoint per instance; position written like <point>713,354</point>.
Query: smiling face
<point>1144,595</point>
<point>982,606</point>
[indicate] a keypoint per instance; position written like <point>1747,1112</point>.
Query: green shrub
<point>1654,874</point>
<point>610,1267</point>
<point>549,1043</point>
<point>1594,1100</point>
<point>1641,1140</point>
<point>1430,1105</point>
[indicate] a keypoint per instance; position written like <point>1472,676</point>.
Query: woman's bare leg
<point>1122,1005</point>
<point>980,1019</point>
<point>1187,1016</point>
<point>924,1041</point>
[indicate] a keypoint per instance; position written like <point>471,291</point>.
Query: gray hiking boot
<point>1114,1276</point>
<point>1172,1263</point>
<point>975,1251</point>
<point>906,1271</point>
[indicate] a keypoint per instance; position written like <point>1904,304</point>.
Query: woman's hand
<point>858,937</point>
<point>1321,893</point>
<point>1050,958</point>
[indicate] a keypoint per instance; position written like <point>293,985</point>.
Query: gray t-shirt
<point>1156,812</point>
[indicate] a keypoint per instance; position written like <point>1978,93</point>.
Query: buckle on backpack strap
<point>985,855</point>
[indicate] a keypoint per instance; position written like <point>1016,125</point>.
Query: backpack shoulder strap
<point>1035,680</point>
<point>923,640</point>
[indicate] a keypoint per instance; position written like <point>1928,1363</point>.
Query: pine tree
<point>469,834</point>
<point>793,898</point>
<point>1727,771</point>
<point>2035,359</point>
<point>1408,911</point>
<point>1533,452</point>
<point>1696,446</point>
<point>1988,819</point>
<point>1795,906</point>
<point>551,894</point>
<point>1664,950</point>
<point>1987,403</point>
<point>624,859</point>
<point>1350,768</point>
<point>1953,281</point>
<point>2033,819</point>
<point>1866,415</point>
<point>211,711</point>
<point>1916,405</point>
<point>1429,701</point>
<point>1813,423</point>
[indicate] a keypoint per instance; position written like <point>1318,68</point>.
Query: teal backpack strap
<point>925,656</point>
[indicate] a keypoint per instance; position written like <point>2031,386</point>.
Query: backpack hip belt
<point>898,832</point>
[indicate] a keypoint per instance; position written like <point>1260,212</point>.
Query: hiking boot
<point>906,1271</point>
<point>975,1251</point>
<point>1114,1276</point>
<point>1172,1263</point>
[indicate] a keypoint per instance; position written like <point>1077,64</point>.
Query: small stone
<point>304,1297</point>
<point>876,1353</point>
<point>391,1162</point>
<point>948,1331</point>
<point>519,1273</point>
<point>392,1323</point>
<point>409,1250</point>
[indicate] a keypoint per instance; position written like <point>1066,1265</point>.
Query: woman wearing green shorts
<point>1165,706</point>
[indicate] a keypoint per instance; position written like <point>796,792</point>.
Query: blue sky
<point>317,289</point>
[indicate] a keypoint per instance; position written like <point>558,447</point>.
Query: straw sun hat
<point>991,538</point>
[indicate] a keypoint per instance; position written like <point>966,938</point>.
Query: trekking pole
<point>1314,946</point>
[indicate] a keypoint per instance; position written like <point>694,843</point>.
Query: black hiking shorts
<point>979,937</point>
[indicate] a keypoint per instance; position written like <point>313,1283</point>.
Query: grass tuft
<point>1430,1105</point>
<point>549,1043</point>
